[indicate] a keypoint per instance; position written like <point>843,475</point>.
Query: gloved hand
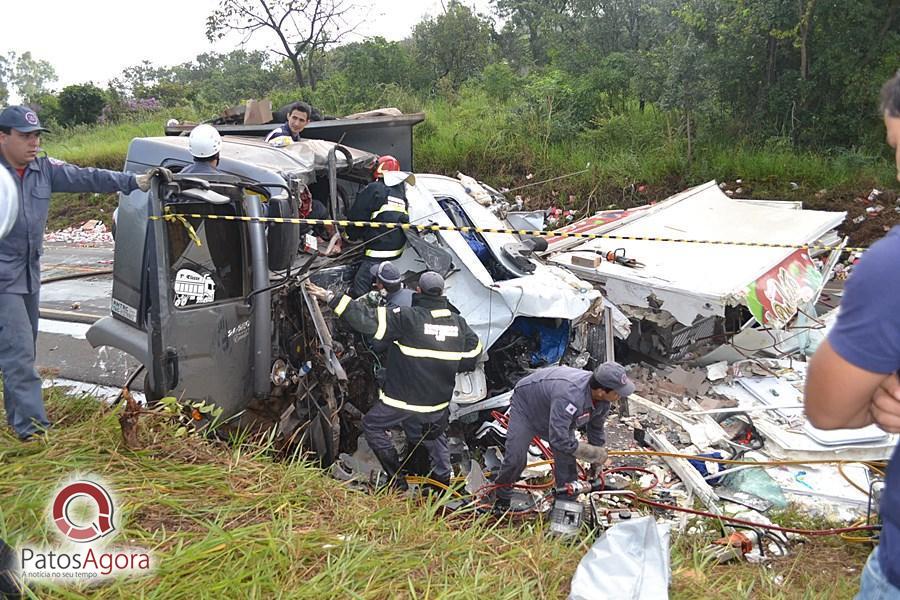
<point>595,470</point>
<point>591,454</point>
<point>144,180</point>
<point>319,293</point>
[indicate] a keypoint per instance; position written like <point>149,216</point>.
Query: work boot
<point>390,462</point>
<point>500,507</point>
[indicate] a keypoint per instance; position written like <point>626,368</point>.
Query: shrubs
<point>81,103</point>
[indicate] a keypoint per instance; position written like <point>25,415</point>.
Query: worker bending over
<point>552,403</point>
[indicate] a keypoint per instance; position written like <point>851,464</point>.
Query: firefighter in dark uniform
<point>431,344</point>
<point>35,177</point>
<point>382,201</point>
<point>551,403</point>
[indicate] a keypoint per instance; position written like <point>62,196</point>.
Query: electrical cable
<point>727,519</point>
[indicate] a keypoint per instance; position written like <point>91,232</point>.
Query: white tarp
<point>691,280</point>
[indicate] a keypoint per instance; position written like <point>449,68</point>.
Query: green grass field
<point>229,522</point>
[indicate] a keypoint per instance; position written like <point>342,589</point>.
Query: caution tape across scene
<point>521,232</point>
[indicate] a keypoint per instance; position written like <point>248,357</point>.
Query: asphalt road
<point>62,350</point>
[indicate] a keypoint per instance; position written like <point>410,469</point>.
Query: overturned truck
<point>210,299</point>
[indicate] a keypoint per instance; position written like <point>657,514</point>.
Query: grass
<point>228,521</point>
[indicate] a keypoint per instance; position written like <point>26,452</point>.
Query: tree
<point>81,103</point>
<point>454,45</point>
<point>5,75</point>
<point>540,20</point>
<point>28,75</point>
<point>304,28</point>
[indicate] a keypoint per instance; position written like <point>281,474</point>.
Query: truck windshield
<point>213,269</point>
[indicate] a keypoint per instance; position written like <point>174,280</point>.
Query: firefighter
<point>35,178</point>
<point>382,201</point>
<point>551,403</point>
<point>204,144</point>
<point>431,344</point>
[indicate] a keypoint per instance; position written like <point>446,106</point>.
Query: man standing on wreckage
<point>852,380</point>
<point>552,403</point>
<point>430,344</point>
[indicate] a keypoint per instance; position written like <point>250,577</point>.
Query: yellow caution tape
<point>180,218</point>
<point>521,232</point>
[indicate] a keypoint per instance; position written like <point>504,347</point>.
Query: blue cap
<point>612,376</point>
<point>21,118</point>
<point>387,273</point>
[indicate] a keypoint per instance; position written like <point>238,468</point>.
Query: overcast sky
<point>94,40</point>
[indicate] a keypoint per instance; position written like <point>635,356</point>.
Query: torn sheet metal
<point>691,280</point>
<point>490,304</point>
<point>792,440</point>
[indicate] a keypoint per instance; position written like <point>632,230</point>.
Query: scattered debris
<point>88,234</point>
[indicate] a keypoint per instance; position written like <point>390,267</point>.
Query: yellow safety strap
<point>381,312</point>
<point>383,253</point>
<point>407,406</point>
<point>438,354</point>
<point>342,305</point>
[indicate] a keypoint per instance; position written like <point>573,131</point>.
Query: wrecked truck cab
<point>198,300</point>
<point>280,176</point>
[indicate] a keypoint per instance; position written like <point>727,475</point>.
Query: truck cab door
<point>200,319</point>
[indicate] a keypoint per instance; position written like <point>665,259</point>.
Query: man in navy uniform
<point>35,177</point>
<point>204,144</point>
<point>297,119</point>
<point>552,403</point>
<point>382,201</point>
<point>429,344</point>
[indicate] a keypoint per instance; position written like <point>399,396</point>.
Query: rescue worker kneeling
<point>431,344</point>
<point>551,403</point>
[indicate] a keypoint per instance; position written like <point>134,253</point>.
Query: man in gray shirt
<point>552,403</point>
<point>35,178</point>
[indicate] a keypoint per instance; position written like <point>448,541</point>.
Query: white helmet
<point>9,202</point>
<point>204,141</point>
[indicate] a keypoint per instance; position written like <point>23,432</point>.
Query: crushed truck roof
<point>691,280</point>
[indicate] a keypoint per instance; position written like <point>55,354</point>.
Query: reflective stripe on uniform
<point>412,407</point>
<point>381,312</point>
<point>388,208</point>
<point>438,354</point>
<point>441,312</point>
<point>342,305</point>
<point>383,253</point>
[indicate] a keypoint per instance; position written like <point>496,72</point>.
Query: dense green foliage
<point>801,73</point>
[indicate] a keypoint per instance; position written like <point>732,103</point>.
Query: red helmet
<point>386,163</point>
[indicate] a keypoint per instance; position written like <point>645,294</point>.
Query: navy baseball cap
<point>387,273</point>
<point>612,376</point>
<point>431,283</point>
<point>21,118</point>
